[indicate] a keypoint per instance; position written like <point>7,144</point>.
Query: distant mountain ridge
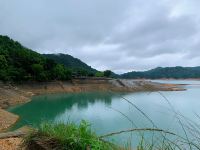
<point>165,72</point>
<point>70,62</point>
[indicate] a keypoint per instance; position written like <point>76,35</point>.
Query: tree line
<point>18,63</point>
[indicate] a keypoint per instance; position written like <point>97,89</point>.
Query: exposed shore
<point>11,95</point>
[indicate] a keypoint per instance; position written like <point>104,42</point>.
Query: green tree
<point>37,68</point>
<point>59,72</point>
<point>68,74</point>
<point>37,71</point>
<point>16,74</point>
<point>3,62</point>
<point>107,73</point>
<point>3,68</point>
<point>99,74</point>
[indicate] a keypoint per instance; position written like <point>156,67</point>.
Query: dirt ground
<point>11,144</point>
<point>7,119</point>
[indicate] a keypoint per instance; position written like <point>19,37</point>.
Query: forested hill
<point>18,63</point>
<point>70,62</point>
<point>76,64</point>
<point>168,72</point>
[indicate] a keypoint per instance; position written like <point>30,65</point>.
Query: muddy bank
<point>145,85</point>
<point>7,119</point>
<point>11,95</point>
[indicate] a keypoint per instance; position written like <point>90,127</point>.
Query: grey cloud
<point>76,23</point>
<point>121,35</point>
<point>156,34</point>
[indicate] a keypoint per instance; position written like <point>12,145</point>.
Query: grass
<point>60,136</point>
<point>68,136</point>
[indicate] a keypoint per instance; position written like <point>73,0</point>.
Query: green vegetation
<point>168,72</point>
<point>107,73</point>
<point>99,74</point>
<point>60,136</point>
<point>66,136</point>
<point>78,67</point>
<point>18,63</point>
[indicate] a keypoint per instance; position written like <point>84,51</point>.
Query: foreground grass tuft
<point>60,136</point>
<point>68,136</point>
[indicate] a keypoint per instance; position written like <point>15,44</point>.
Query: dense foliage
<point>68,136</point>
<point>168,72</point>
<point>99,74</point>
<point>106,73</point>
<point>18,63</point>
<point>78,67</point>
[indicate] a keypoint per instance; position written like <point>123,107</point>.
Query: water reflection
<point>48,107</point>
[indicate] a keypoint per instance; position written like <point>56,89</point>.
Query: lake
<point>108,112</point>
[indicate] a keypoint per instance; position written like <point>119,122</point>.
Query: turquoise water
<point>99,108</point>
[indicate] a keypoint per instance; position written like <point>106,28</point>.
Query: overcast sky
<point>121,35</point>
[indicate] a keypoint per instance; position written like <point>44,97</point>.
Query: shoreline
<point>194,79</point>
<point>12,95</point>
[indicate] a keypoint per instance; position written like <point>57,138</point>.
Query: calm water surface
<point>97,108</point>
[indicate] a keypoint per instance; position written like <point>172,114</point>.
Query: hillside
<point>168,72</point>
<point>70,62</point>
<point>18,63</point>
<point>75,63</point>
